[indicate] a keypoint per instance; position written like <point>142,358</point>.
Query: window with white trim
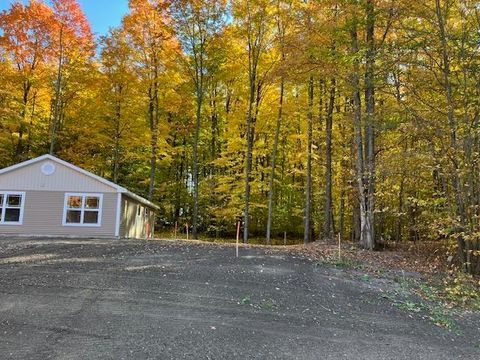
<point>11,207</point>
<point>82,209</point>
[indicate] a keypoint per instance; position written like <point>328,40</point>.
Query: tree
<point>148,27</point>
<point>254,22</point>
<point>353,117</point>
<point>281,15</point>
<point>328,213</point>
<point>72,44</point>
<point>197,23</point>
<point>25,42</point>
<point>307,234</point>
<point>364,130</point>
<point>120,95</point>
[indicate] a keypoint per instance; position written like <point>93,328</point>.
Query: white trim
<point>141,200</point>
<point>82,209</point>
<point>25,163</point>
<point>4,207</point>
<point>64,163</point>
<point>117,217</point>
<point>118,188</point>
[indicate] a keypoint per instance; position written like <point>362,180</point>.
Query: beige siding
<point>135,226</point>
<point>65,179</point>
<point>43,215</point>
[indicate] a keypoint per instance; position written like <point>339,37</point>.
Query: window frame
<point>4,207</point>
<point>82,210</point>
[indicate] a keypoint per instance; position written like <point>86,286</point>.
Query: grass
<point>460,291</point>
<point>269,304</point>
<point>433,310</point>
<point>341,263</point>
<point>440,300</point>
<point>265,304</point>
<point>366,278</point>
<point>245,301</point>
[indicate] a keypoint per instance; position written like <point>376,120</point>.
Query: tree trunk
<point>199,99</point>
<point>321,93</point>
<point>329,227</point>
<point>366,231</point>
<point>459,208</point>
<point>399,225</point>
<point>368,239</point>
<point>214,127</point>
<point>58,96</point>
<point>116,150</point>
<point>254,50</point>
<point>307,235</point>
<point>153,160</point>
<point>341,222</point>
<point>274,161</point>
<point>30,127</point>
<point>154,115</point>
<point>248,160</point>
<point>23,116</point>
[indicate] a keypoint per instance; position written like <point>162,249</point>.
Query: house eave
<point>140,199</point>
<point>118,188</point>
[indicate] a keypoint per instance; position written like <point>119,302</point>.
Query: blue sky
<point>102,14</point>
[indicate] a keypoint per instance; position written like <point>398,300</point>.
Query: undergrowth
<point>440,298</point>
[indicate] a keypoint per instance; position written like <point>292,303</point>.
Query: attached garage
<point>47,196</point>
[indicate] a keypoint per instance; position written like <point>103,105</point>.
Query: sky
<point>102,14</point>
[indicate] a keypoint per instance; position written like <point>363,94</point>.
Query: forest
<point>357,119</point>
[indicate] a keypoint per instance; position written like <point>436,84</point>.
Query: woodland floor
<point>108,299</point>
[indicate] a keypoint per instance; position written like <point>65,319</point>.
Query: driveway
<point>107,299</point>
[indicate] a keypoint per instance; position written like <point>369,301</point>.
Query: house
<point>47,196</point>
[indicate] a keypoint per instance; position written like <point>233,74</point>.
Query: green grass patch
<point>269,304</point>
<point>436,312</point>
<point>341,263</point>
<point>245,301</point>
<point>366,278</point>
<point>442,300</point>
<point>460,291</point>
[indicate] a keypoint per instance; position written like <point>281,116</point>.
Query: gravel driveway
<point>109,299</point>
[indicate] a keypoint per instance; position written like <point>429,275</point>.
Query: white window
<point>82,209</point>
<point>11,207</point>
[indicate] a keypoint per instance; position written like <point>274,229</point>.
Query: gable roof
<point>118,188</point>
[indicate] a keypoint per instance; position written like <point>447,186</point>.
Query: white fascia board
<point>118,188</point>
<point>24,163</point>
<point>64,163</point>
<point>140,199</point>
<point>117,215</point>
